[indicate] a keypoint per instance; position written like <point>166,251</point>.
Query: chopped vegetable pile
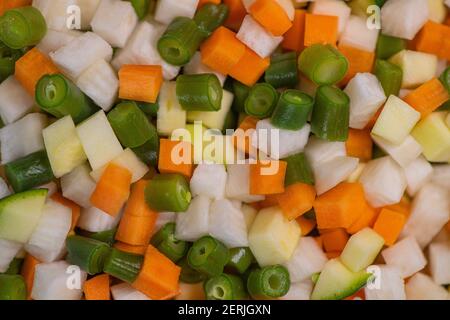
<point>224,149</point>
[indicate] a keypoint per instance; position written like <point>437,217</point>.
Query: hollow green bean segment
<point>298,170</point>
<point>89,254</point>
<point>241,92</point>
<point>283,71</point>
<point>293,110</point>
<point>12,287</point>
<point>209,17</point>
<point>208,256</point>
<point>148,152</point>
<point>180,41</point>
<point>168,193</point>
<point>105,236</point>
<point>199,92</point>
<point>240,260</point>
<point>22,27</point>
<point>390,76</point>
<point>164,240</point>
<point>261,100</point>
<point>331,114</point>
<point>29,172</point>
<point>323,64</point>
<point>131,125</point>
<point>150,109</point>
<point>445,78</point>
<point>14,266</point>
<point>268,282</point>
<point>141,7</point>
<point>188,274</point>
<point>123,265</point>
<point>60,97</point>
<point>387,46</point>
<point>225,287</point>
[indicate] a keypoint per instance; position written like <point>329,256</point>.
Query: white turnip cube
<point>388,284</point>
<point>329,174</point>
<point>194,223</point>
<point>238,184</point>
<point>318,151</point>
<point>78,185</point>
<point>417,174</point>
<point>96,220</point>
<point>422,287</point>
<point>8,250</point>
<point>441,175</point>
<point>15,102</point>
<point>404,153</point>
<point>299,291</point>
<point>167,10</point>
<point>439,257</point>
<point>54,40</point>
<point>332,8</point>
<point>357,35</point>
<point>209,180</point>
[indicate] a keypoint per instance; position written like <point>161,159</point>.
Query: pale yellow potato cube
<point>171,115</point>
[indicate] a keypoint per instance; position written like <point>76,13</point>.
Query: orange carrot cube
<point>168,152</point>
<point>267,178</point>
<point>140,83</point>
<point>321,29</point>
<point>389,225</point>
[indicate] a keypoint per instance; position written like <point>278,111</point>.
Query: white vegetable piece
<point>23,137</point>
<point>417,174</point>
<point>51,281</point>
<point>125,291</point>
<point>406,255</point>
<point>63,146</point>
<point>273,238</point>
<point>429,214</point>
<point>95,220</point>
<point>193,224</point>
<point>307,259</point>
<point>128,160</point>
<point>257,38</point>
<point>441,175</point>
<point>388,285</point>
<point>238,184</point>
<point>214,120</point>
<point>227,224</point>
<point>396,120</point>
<point>417,67</point>
<point>88,9</point>
<point>89,46</point>
<point>15,101</point>
<point>114,21</point>
<point>447,3</point>
<point>357,35</point>
<point>366,97</point>
<point>279,143</point>
<point>98,139</point>
<point>54,40</point>
<point>49,236</point>
<point>332,8</point>
<point>196,66</point>
<point>55,12</point>
<point>404,153</point>
<point>209,180</point>
<point>163,219</point>
<point>167,10</point>
<point>439,257</point>
<point>141,49</point>
<point>4,189</point>
<point>384,182</point>
<point>414,14</point>
<point>100,83</point>
<point>437,11</point>
<point>329,174</point>
<point>249,214</point>
<point>171,115</point>
<point>8,250</point>
<point>422,287</point>
<point>319,151</point>
<point>78,185</point>
<point>299,291</point>
<point>51,187</point>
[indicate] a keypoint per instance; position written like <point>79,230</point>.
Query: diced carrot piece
<point>250,68</point>
<point>367,219</point>
<point>359,61</point>
<point>158,278</point>
<point>403,207</point>
<point>341,206</point>
<point>236,14</point>
<point>294,39</point>
<point>76,210</point>
<point>306,225</point>
<point>360,295</point>
<point>434,38</point>
<point>222,50</point>
<point>271,16</point>
<point>374,119</point>
<point>428,97</point>
<point>122,246</point>
<point>359,144</point>
<point>335,240</point>
<point>11,4</point>
<point>31,67</point>
<point>97,288</point>
<point>140,83</point>
<point>201,3</point>
<point>447,226</point>
<point>267,178</point>
<point>389,225</point>
<point>113,189</point>
<point>320,29</point>
<point>271,200</point>
<point>319,241</point>
<point>447,20</point>
<point>333,254</point>
<point>167,162</point>
<point>296,200</point>
<point>136,205</point>
<point>27,271</point>
<point>242,136</point>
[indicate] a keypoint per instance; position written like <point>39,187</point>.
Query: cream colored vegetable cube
<point>434,136</point>
<point>63,146</point>
<point>171,115</point>
<point>272,237</point>
<point>418,67</point>
<point>396,120</point>
<point>438,11</point>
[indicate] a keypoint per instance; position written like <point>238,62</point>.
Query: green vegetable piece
<point>105,236</point>
<point>168,193</point>
<point>387,46</point>
<point>283,71</point>
<point>210,17</point>
<point>208,256</point>
<point>241,92</point>
<point>225,287</point>
<point>89,254</point>
<point>268,282</point>
<point>390,76</point>
<point>298,170</point>
<point>141,7</point>
<point>293,110</point>
<point>164,240</point>
<point>123,265</point>
<point>240,260</point>
<point>199,92</point>
<point>261,100</point>
<point>12,287</point>
<point>188,274</point>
